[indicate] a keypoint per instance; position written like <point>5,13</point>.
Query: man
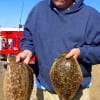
<point>56,26</point>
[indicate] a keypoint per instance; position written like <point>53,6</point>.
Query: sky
<point>14,12</point>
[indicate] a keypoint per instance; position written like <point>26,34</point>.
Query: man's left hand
<point>75,52</point>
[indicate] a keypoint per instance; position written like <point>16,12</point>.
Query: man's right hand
<point>24,56</point>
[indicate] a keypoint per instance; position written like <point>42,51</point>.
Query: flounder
<point>66,77</point>
<point>18,81</point>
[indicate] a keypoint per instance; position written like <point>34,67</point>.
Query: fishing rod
<point>20,21</point>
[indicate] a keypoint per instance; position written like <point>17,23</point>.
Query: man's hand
<point>24,56</point>
<point>74,53</point>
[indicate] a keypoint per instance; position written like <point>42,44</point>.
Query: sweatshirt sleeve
<point>29,29</point>
<point>90,51</point>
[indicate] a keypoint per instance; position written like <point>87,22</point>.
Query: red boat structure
<point>10,40</point>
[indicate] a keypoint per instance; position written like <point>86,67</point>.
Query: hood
<point>77,6</point>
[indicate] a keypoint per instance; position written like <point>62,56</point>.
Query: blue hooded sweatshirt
<point>49,31</point>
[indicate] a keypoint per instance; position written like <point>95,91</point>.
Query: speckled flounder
<point>66,77</point>
<point>18,81</point>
